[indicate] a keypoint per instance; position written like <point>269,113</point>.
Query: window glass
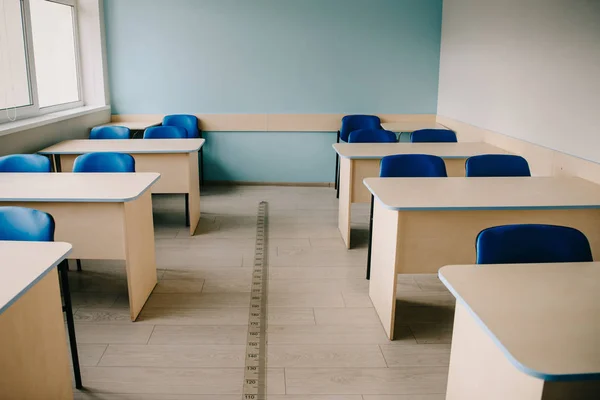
<point>53,37</point>
<point>14,78</point>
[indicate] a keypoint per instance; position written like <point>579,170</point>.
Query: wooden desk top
<point>23,264</point>
<point>544,317</point>
<point>411,126</point>
<point>438,194</point>
<point>79,187</point>
<point>135,125</point>
<point>377,151</point>
<point>130,146</point>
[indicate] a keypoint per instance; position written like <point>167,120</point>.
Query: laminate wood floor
<point>325,341</point>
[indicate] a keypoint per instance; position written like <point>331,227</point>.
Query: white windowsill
<point>30,123</point>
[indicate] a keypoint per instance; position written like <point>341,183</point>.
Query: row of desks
<point>520,332</point>
<point>109,216</point>
<point>101,216</point>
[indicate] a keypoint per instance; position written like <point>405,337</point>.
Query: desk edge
<point>36,280</point>
<point>516,363</point>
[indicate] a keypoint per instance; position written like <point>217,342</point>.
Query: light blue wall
<point>273,56</point>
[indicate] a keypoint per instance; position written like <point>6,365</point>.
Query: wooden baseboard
<point>542,161</point>
<point>285,184</point>
<point>274,122</point>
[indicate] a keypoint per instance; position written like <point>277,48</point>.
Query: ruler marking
<point>255,374</point>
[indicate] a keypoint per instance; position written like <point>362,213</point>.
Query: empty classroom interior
<point>265,220</point>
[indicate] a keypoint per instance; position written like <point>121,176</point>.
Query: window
<point>39,58</point>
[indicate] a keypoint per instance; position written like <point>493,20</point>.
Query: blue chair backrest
<point>532,243</point>
<point>110,132</point>
<point>372,136</point>
<point>25,163</point>
<point>496,165</point>
<point>433,136</point>
<point>412,166</point>
<point>26,224</point>
<point>104,162</point>
<point>165,132</point>
<point>187,122</point>
<point>355,122</point>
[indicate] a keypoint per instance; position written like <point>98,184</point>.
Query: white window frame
<point>34,110</point>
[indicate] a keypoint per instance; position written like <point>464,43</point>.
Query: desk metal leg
<point>370,238</point>
<point>68,309</point>
<point>57,166</point>
<point>201,167</point>
<point>187,209</point>
<point>337,163</point>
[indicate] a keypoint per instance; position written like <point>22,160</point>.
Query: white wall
<point>529,69</point>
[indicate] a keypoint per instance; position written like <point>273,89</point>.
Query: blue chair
<point>29,225</point>
<point>165,132</point>
<point>190,124</point>
<point>110,132</point>
<point>352,123</point>
<point>489,165</point>
<point>26,224</point>
<point>104,162</point>
<point>433,136</point>
<point>25,163</point>
<point>532,243</point>
<point>405,166</point>
<point>372,136</point>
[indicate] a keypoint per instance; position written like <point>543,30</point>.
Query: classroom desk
<point>525,332</point>
<point>104,216</point>
<point>176,160</point>
<point>361,160</point>
<point>422,224</point>
<point>400,127</point>
<point>33,343</point>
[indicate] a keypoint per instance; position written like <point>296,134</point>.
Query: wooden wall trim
<point>275,122</point>
<point>542,161</point>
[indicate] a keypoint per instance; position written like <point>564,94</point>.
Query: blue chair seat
<point>25,163</point>
<point>372,136</point>
<point>110,132</point>
<point>26,224</point>
<point>532,243</point>
<point>433,136</point>
<point>165,132</point>
<point>104,162</point>
<point>490,165</point>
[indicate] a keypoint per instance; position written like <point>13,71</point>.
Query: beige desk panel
<point>531,308</point>
<point>173,169</point>
<point>131,146</point>
<point>424,241</point>
<point>33,343</point>
<point>479,369</point>
<point>410,126</point>
<point>462,150</point>
<point>74,187</point>
<point>473,193</point>
<point>110,231</point>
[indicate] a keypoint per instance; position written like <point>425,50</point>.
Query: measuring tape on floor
<point>255,374</point>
